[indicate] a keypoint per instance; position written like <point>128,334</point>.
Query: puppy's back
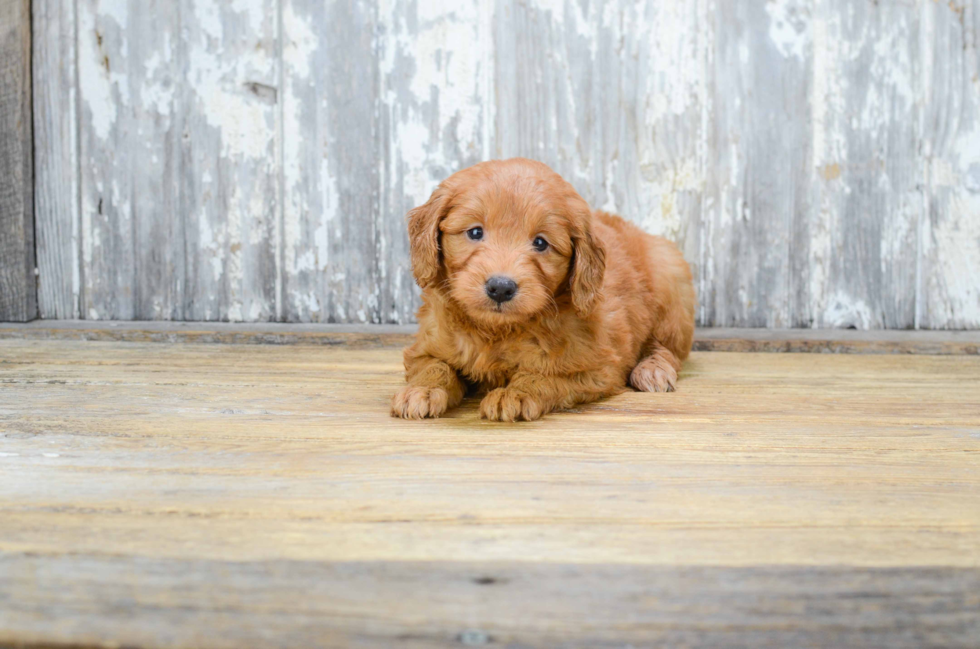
<point>655,267</point>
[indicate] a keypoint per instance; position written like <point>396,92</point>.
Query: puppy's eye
<point>475,234</point>
<point>540,244</point>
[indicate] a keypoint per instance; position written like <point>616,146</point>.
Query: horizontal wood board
<point>709,339</point>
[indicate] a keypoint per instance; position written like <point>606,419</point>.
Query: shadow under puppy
<point>536,299</point>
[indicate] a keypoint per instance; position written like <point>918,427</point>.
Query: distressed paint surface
<point>863,225</point>
<point>229,183</point>
<point>758,144</point>
<point>818,161</point>
<point>950,225</point>
<point>331,168</point>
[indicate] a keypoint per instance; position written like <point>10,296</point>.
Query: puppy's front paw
<point>413,402</point>
<point>653,375</point>
<point>507,404</point>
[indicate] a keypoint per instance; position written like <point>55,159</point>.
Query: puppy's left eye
<point>475,234</point>
<point>540,244</point>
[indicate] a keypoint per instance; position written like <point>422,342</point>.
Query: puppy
<point>539,301</point>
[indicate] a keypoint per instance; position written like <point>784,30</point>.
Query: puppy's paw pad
<point>653,376</point>
<point>505,404</point>
<point>413,402</point>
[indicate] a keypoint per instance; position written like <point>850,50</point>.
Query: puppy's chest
<point>493,363</point>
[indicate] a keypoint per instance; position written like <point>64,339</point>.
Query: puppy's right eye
<point>475,234</point>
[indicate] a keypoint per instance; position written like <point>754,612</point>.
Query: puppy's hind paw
<point>506,404</point>
<point>414,402</point>
<point>653,375</point>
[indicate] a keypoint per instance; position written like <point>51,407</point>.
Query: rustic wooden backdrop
<point>18,297</point>
<point>817,160</point>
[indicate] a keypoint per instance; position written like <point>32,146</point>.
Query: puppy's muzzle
<point>501,289</point>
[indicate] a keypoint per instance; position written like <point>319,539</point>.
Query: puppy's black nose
<point>501,289</point>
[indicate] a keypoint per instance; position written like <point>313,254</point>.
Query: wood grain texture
<point>949,235</point>
<point>815,159</point>
<point>230,176</point>
<point>205,495</point>
<point>56,171</point>
<point>18,287</point>
<point>127,158</point>
<point>332,161</point>
<point>475,603</point>
<point>868,196</point>
<point>835,341</point>
<point>755,238</point>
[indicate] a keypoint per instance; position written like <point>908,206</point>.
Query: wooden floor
<point>198,495</point>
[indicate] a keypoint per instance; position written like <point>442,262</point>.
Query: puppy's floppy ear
<point>423,235</point>
<point>588,266</point>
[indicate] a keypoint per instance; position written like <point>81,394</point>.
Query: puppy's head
<point>506,240</point>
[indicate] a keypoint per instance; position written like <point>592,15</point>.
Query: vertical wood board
<point>18,288</point>
<point>230,180</point>
<point>754,221</point>
<point>949,236</point>
<point>868,195</point>
<point>331,161</point>
<point>56,188</point>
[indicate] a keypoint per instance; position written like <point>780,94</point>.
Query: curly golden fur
<point>595,303</point>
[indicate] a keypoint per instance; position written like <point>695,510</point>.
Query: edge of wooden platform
<point>380,336</point>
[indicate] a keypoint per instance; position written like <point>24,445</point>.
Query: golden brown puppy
<point>538,300</point>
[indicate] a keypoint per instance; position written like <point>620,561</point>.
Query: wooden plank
<point>56,191</point>
<point>331,161</point>
<point>230,189</point>
<point>755,238</point>
<point>836,341</point>
<point>357,336</point>
<point>130,253</point>
<point>509,604</point>
<point>706,339</point>
<point>866,165</point>
<point>155,59</point>
<point>18,286</point>
<point>949,275</point>
<point>198,495</point>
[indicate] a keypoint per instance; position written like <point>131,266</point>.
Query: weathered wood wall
<point>817,160</point>
<point>18,288</point>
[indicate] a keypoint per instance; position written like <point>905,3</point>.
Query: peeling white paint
<point>829,142</point>
<point>96,83</point>
<point>623,98</point>
<point>158,90</point>
<point>299,49</point>
<point>221,81</point>
<point>789,26</point>
<point>844,311</point>
<point>443,62</point>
